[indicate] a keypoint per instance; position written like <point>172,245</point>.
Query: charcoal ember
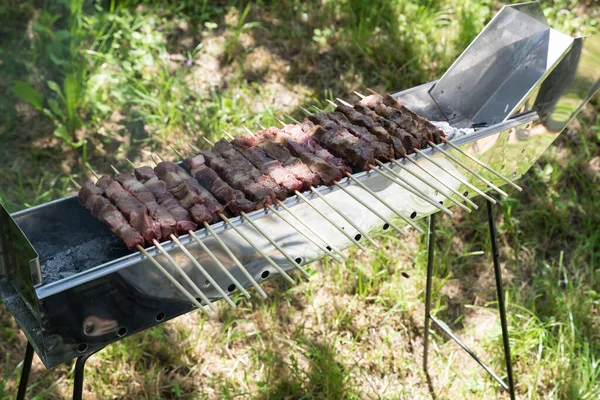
<point>136,212</point>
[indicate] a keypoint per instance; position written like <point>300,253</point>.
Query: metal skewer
<point>203,271</point>
<point>362,96</point>
<point>456,192</point>
<point>305,110</point>
<point>320,246</point>
<point>447,196</point>
<point>377,213</point>
<point>185,276</point>
<point>207,141</point>
<point>361,231</point>
<point>311,230</point>
<point>294,120</point>
<point>455,176</point>
<point>281,250</point>
<point>94,173</point>
<point>173,280</point>
<point>339,228</point>
<point>484,165</point>
<point>219,264</point>
<point>262,253</point>
<point>235,260</point>
<point>457,161</point>
<point>404,184</point>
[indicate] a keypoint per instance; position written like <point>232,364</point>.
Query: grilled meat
<point>268,165</point>
<point>168,224</point>
<point>235,200</point>
<point>227,151</point>
<point>183,191</point>
<point>135,211</point>
<point>408,141</point>
<point>163,197</point>
<point>327,173</point>
<point>342,143</point>
<point>383,150</point>
<point>434,133</point>
<point>91,197</point>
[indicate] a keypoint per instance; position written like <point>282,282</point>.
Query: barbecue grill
<point>509,95</point>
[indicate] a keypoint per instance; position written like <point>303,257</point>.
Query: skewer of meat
<point>279,152</point>
<point>135,211</point>
<point>149,174</point>
<point>158,188</point>
<point>103,209</point>
<point>91,197</point>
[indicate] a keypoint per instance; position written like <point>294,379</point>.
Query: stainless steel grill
<point>73,288</point>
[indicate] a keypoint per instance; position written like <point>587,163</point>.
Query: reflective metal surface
<point>73,287</point>
<point>512,55</point>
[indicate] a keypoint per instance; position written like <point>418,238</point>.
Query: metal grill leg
<point>79,375</point>
<point>430,251</point>
<point>500,297</point>
<point>25,372</point>
<point>510,387</point>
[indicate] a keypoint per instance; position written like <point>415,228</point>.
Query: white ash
<point>451,132</point>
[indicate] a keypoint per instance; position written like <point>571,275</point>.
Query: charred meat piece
<point>163,197</point>
<point>366,119</point>
<point>91,196</point>
<point>375,102</point>
<point>407,142</point>
<point>209,201</point>
<point>235,200</point>
<point>135,212</point>
<point>279,152</point>
<point>326,172</point>
<point>236,174</point>
<point>383,150</point>
<point>183,191</point>
<point>228,151</point>
<point>168,224</point>
<point>342,143</point>
<point>434,133</point>
<point>268,165</point>
<point>302,134</point>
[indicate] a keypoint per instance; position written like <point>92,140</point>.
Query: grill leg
<point>430,253</point>
<point>25,372</point>
<point>79,372</point>
<point>500,297</point>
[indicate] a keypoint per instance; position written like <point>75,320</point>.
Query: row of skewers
<point>261,170</point>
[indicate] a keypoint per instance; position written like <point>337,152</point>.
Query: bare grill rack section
<point>72,295</point>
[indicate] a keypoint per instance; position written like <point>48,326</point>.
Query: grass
<point>90,83</point>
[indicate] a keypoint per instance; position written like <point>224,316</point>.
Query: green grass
<point>90,83</point>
